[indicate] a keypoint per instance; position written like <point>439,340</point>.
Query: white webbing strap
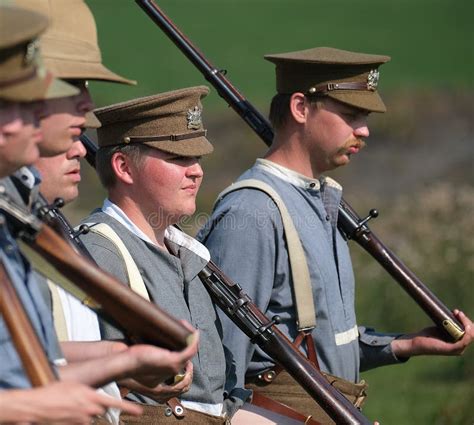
<point>59,317</point>
<point>305,313</point>
<point>134,276</point>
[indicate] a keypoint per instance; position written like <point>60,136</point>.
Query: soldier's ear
<point>122,167</point>
<point>298,107</point>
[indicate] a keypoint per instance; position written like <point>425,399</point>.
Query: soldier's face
<point>166,186</point>
<point>61,174</point>
<point>20,135</point>
<point>333,133</point>
<point>65,122</point>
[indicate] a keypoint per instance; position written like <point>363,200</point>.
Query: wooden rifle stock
<point>142,320</point>
<point>262,331</point>
<point>423,296</point>
<point>24,337</point>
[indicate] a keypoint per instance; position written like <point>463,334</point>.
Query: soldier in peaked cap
<point>297,263</point>
<point>148,161</point>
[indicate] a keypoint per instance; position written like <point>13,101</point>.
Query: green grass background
<point>431,45</point>
<point>430,41</point>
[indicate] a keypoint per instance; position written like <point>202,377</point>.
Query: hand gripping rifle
<point>262,331</point>
<point>142,320</point>
<point>349,223</point>
<point>24,337</point>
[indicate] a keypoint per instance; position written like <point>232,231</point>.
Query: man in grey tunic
<point>148,160</point>
<point>320,120</point>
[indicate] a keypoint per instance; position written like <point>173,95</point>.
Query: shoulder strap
<point>134,276</point>
<point>58,313</point>
<point>306,316</point>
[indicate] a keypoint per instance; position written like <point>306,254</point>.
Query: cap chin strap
<point>328,87</point>
<point>170,137</point>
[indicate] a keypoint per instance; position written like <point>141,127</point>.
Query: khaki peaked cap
<point>70,47</point>
<point>170,122</point>
<point>22,78</point>
<point>348,77</point>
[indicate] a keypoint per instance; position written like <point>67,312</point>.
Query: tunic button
<point>311,185</point>
<point>168,412</point>
<point>328,218</point>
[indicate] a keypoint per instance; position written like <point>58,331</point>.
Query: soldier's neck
<point>289,152</point>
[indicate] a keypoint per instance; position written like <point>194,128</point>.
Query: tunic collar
<point>290,176</point>
<point>172,233</point>
<point>295,178</point>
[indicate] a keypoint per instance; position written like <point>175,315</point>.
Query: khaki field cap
<point>22,78</point>
<point>348,77</point>
<point>70,48</point>
<point>170,122</point>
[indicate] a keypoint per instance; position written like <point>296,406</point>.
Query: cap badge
<point>373,79</point>
<point>194,118</point>
<point>31,53</point>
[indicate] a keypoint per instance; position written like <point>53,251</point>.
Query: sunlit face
<point>61,174</point>
<point>19,135</point>
<point>165,187</point>
<point>65,121</point>
<point>333,133</point>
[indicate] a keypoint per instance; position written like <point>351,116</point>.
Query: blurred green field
<point>429,86</point>
<point>430,41</point>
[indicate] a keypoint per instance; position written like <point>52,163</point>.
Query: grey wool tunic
<point>173,284</point>
<point>246,239</point>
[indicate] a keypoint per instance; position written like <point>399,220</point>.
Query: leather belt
<point>265,402</point>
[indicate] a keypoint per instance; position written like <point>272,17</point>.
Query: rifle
<point>349,223</point>
<point>142,320</point>
<point>24,337</point>
<point>236,304</point>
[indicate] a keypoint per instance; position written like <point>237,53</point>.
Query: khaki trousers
<point>284,389</point>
